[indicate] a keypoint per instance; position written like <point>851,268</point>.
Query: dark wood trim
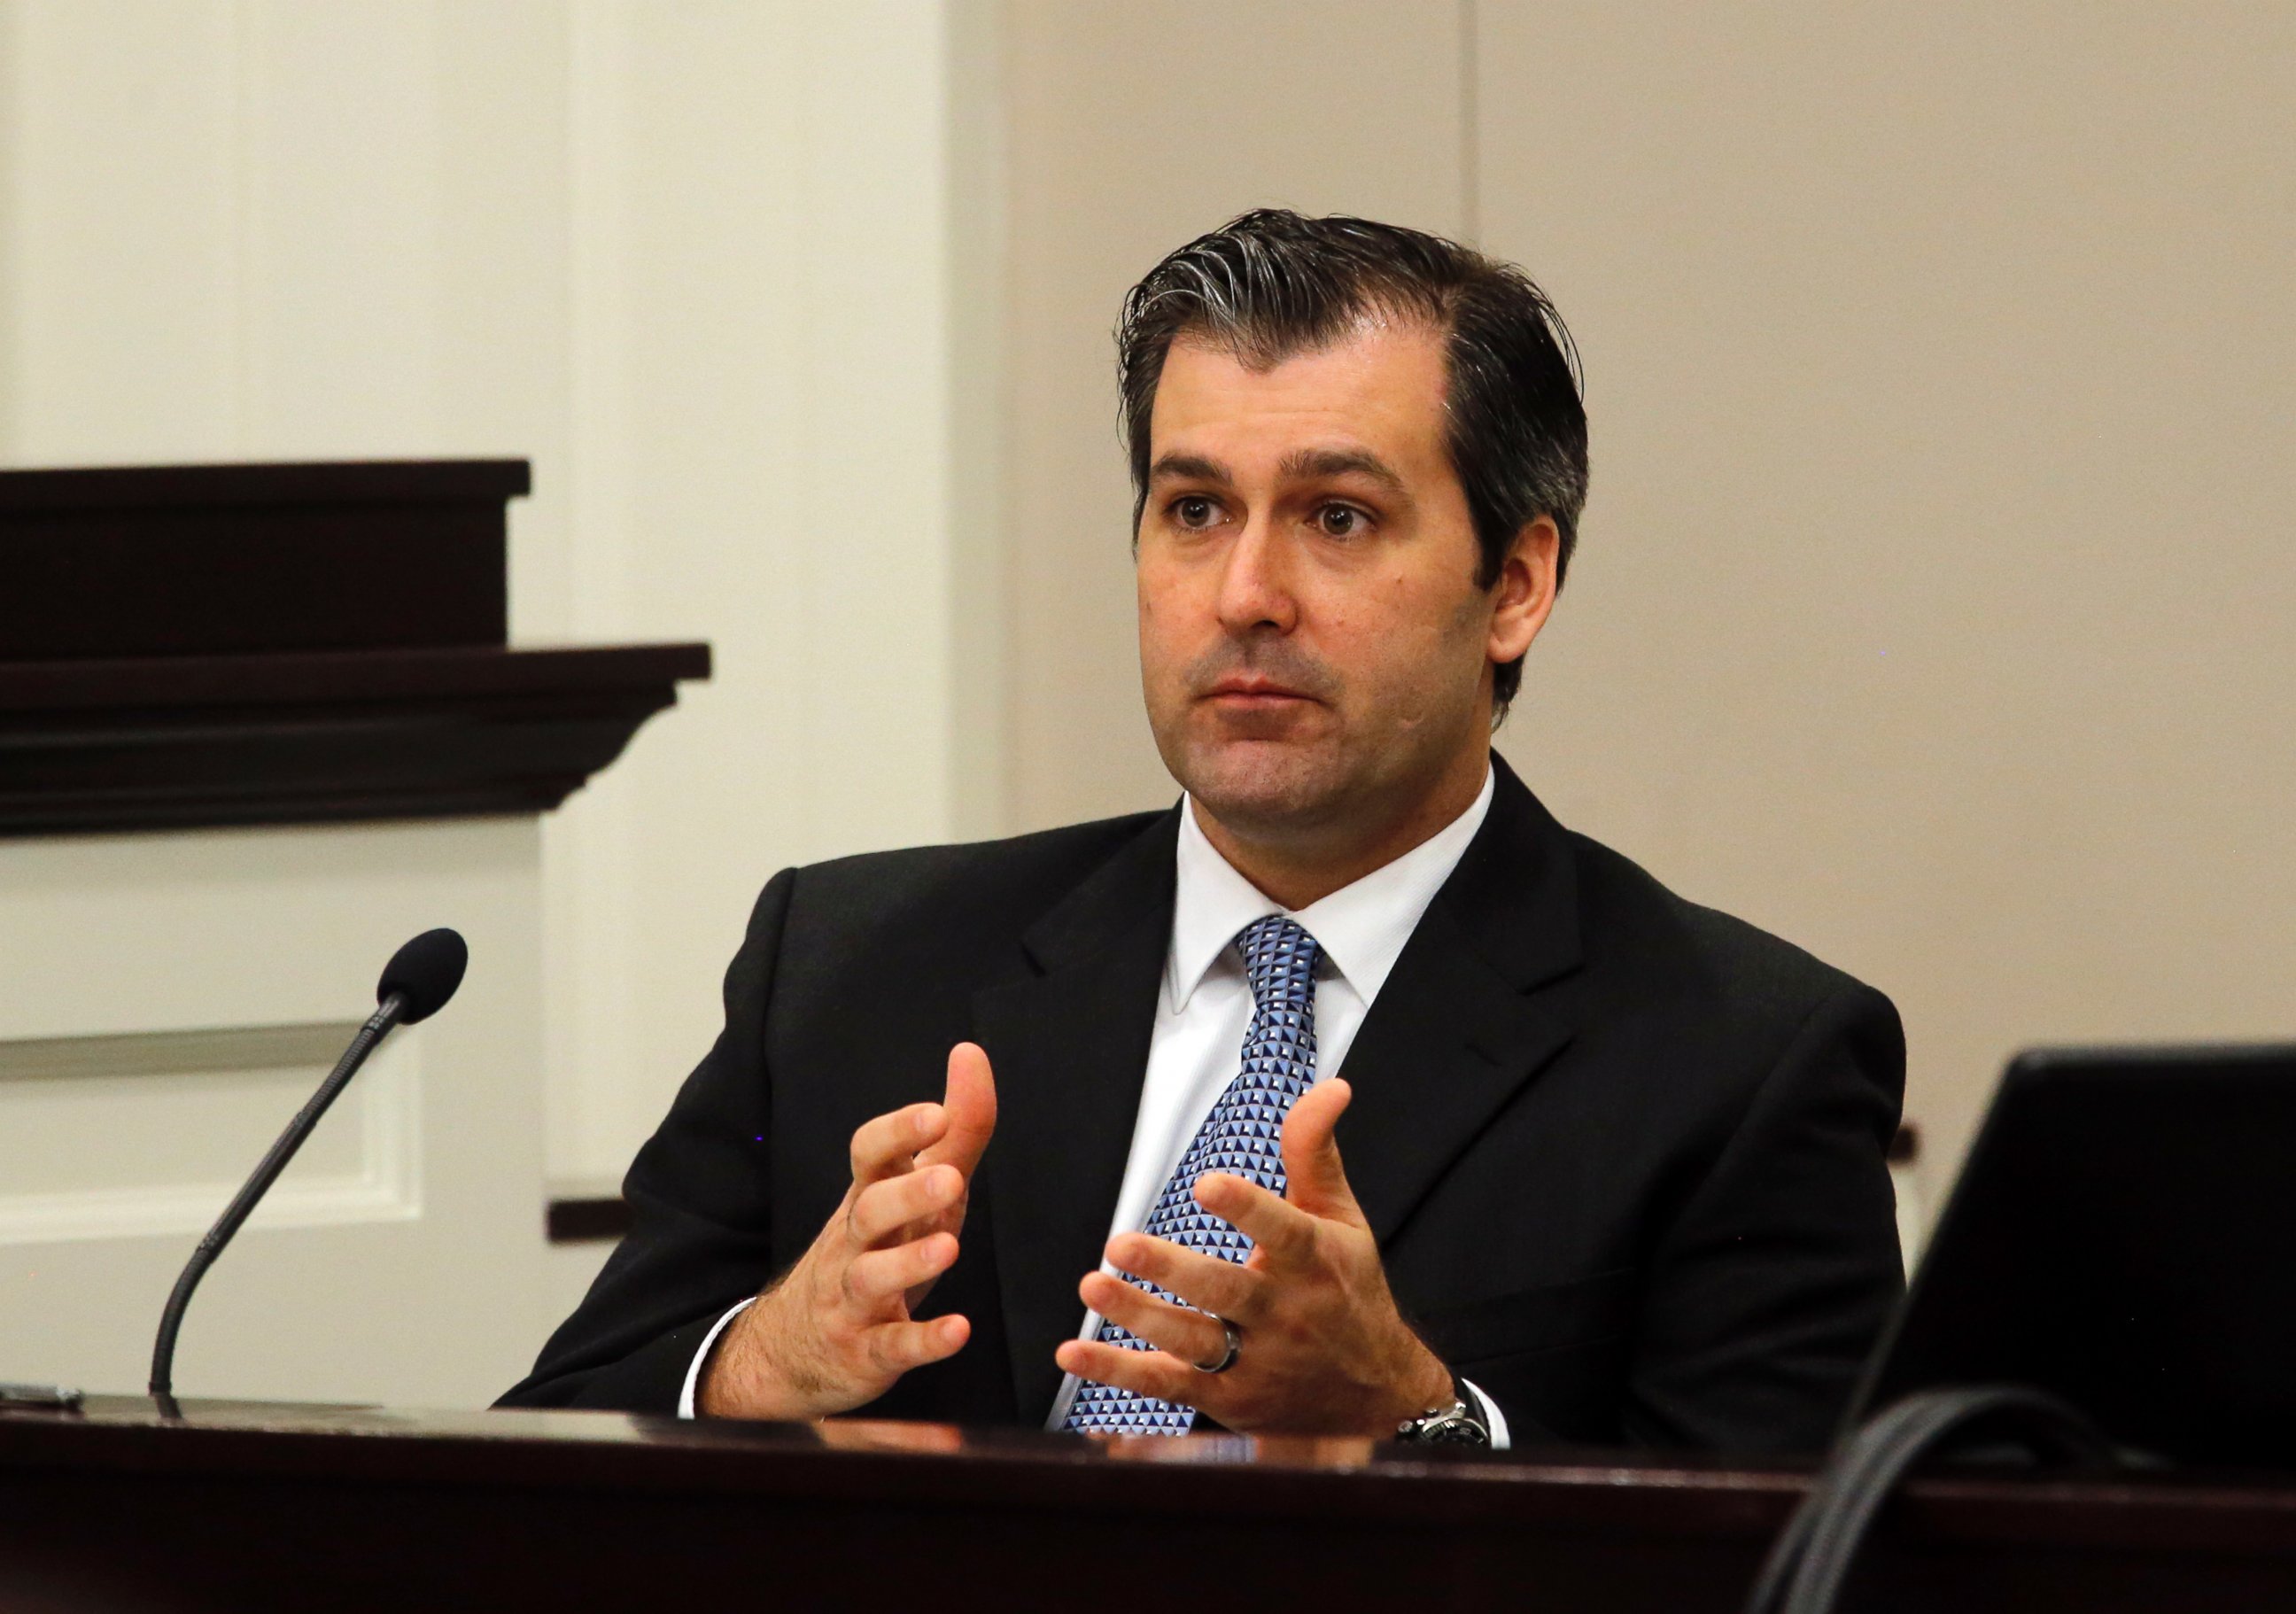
<point>373,1509</point>
<point>179,560</point>
<point>339,677</point>
<point>587,1221</point>
<point>183,742</point>
<point>238,486</point>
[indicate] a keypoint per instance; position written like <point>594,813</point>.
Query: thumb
<point>970,1101</point>
<point>1319,1182</point>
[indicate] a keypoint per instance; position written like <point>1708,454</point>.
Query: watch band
<point>1461,1423</point>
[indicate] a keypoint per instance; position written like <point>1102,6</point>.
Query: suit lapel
<point>1068,1043</point>
<point>1473,1009</point>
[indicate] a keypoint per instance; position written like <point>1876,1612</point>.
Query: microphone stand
<point>171,1320</point>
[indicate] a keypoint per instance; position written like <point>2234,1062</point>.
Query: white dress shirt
<point>1204,1010</point>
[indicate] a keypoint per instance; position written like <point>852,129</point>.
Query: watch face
<point>1454,1427</point>
<point>1456,1431</point>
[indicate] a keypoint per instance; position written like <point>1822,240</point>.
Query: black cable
<point>1816,1552</point>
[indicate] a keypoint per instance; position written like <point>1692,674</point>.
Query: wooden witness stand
<point>243,1505</point>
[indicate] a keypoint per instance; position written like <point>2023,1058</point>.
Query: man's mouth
<point>1253,692</point>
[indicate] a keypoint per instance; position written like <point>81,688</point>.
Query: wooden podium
<point>236,1505</point>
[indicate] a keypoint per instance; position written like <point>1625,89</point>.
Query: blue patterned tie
<point>1241,1135</point>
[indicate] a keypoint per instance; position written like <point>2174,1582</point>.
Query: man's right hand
<point>835,1332</point>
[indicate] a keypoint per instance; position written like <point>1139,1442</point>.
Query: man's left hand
<point>1324,1349</point>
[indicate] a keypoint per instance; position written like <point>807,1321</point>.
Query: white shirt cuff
<point>693,1373</point>
<point>1493,1419</point>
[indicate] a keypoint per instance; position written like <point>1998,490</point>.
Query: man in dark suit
<point>1353,1094</point>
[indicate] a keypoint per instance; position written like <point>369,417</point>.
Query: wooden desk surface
<point>238,1505</point>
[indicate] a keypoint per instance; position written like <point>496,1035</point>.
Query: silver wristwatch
<point>1461,1423</point>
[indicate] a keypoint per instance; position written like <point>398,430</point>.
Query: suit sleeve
<point>699,1198</point>
<point>1771,1286</point>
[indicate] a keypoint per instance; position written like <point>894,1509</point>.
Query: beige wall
<point>1132,129</point>
<point>1933,607</point>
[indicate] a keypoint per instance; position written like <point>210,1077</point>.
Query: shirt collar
<point>1361,928</point>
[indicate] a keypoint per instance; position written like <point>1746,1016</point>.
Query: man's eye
<point>1340,520</point>
<point>1194,510</point>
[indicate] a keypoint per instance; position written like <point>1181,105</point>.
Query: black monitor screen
<point>2124,1236</point>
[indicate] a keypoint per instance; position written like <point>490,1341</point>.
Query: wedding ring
<point>1228,1357</point>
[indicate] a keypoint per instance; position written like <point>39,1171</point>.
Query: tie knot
<point>1279,961</point>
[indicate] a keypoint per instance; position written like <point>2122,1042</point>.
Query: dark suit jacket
<point>1624,1155</point>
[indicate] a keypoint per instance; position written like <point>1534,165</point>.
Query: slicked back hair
<point>1271,283</point>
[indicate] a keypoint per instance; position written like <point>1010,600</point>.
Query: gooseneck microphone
<point>415,985</point>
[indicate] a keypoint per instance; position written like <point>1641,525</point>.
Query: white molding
<point>387,1186</point>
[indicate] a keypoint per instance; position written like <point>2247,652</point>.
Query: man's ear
<point>1524,590</point>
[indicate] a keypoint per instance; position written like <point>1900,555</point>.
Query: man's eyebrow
<point>1190,468</point>
<point>1303,464</point>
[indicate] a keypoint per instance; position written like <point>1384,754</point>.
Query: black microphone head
<point>425,971</point>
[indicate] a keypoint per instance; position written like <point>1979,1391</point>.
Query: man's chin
<point>1258,789</point>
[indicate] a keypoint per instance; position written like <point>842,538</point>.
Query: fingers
<point>889,1204</point>
<point>1143,1372</point>
<point>888,1144</point>
<point>875,1282</point>
<point>1285,1232</point>
<point>808,1350</point>
<point>897,1347</point>
<point>1205,1281</point>
<point>970,1104</point>
<point>953,1133</point>
<point>1311,1154</point>
<point>1189,1335</point>
<point>837,1329</point>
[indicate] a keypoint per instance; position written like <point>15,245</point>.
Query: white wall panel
<point>765,404</point>
<point>123,1136</point>
<point>405,1261</point>
<point>123,230</point>
<point>701,264</point>
<point>342,160</point>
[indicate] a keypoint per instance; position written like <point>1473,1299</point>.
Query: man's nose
<point>1256,587</point>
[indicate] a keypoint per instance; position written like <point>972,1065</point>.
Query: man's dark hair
<point>1271,283</point>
